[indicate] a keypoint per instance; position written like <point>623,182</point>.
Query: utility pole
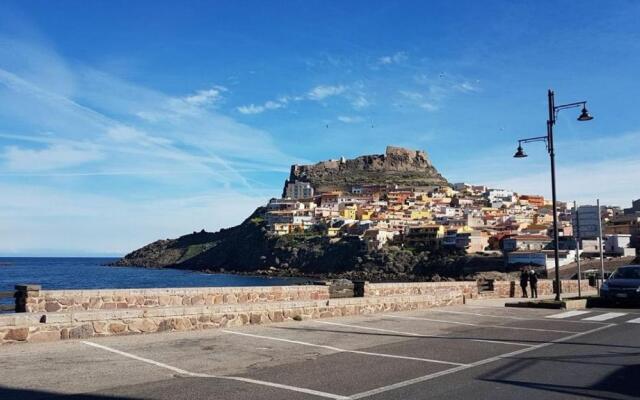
<point>576,235</point>
<point>600,242</point>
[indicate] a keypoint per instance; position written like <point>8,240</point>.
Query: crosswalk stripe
<point>634,321</point>
<point>604,317</point>
<point>568,314</point>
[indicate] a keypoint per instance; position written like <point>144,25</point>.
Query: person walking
<point>524,281</point>
<point>533,282</point>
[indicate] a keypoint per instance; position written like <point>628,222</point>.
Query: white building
<point>299,190</point>
<point>543,258</point>
<point>619,245</point>
<point>500,195</point>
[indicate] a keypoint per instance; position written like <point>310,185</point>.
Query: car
<point>622,285</point>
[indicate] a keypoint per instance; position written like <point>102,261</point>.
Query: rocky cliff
<point>398,166</point>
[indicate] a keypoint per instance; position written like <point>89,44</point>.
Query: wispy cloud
<point>317,93</point>
<point>92,125</point>
<point>395,58</point>
<point>321,92</point>
<point>432,91</point>
<point>206,97</point>
<point>257,109</point>
<point>350,119</point>
<point>50,158</point>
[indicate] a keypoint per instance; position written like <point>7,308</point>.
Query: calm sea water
<point>92,273</point>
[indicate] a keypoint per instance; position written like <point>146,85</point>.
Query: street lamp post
<point>548,139</point>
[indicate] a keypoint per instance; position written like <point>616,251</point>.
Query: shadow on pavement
<point>26,394</point>
<point>622,382</point>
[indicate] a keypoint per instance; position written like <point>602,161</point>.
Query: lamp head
<point>584,115</point>
<point>520,153</point>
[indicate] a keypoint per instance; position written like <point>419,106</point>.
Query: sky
<point>126,122</point>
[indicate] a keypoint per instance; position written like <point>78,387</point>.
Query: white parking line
<point>416,334</point>
<point>472,365</point>
<point>501,316</point>
<point>340,350</point>
<point>634,321</point>
<point>606,316</point>
<point>231,378</point>
<point>568,314</point>
<point>517,328</point>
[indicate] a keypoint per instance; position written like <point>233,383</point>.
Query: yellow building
<point>420,214</point>
<point>349,212</point>
<point>424,236</point>
<point>364,215</point>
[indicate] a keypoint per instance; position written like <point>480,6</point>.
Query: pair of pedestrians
<point>529,277</point>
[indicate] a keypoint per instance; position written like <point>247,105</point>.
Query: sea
<point>94,273</point>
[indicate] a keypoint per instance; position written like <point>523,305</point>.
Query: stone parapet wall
<point>504,289</point>
<point>88,324</point>
<point>105,299</point>
<point>80,314</point>
<point>468,288</point>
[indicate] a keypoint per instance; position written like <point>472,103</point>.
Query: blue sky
<point>126,122</point>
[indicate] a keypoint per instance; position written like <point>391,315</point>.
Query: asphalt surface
<point>463,352</point>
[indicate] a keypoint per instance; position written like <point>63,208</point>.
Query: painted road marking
<point>568,314</point>
<point>340,350</point>
<point>231,378</point>
<point>428,377</point>
<point>481,325</point>
<point>604,317</point>
<point>634,321</point>
<point>503,316</point>
<point>417,334</point>
<point>502,342</point>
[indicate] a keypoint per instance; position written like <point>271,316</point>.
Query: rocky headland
<point>253,248</point>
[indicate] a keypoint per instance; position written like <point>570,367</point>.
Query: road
<point>461,352</point>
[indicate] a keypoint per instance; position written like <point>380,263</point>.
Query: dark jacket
<point>533,278</point>
<point>524,278</point>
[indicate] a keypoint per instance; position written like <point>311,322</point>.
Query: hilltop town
<point>394,216</point>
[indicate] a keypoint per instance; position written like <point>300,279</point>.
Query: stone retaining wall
<point>32,327</point>
<point>56,315</point>
<point>106,299</point>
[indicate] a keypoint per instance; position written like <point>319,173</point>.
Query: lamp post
<point>548,139</point>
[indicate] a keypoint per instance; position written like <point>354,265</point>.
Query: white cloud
<point>50,158</point>
<point>257,109</point>
<point>349,119</point>
<point>396,58</point>
<point>251,109</point>
<point>206,97</point>
<point>466,87</point>
<point>429,106</point>
<point>360,102</point>
<point>32,225</point>
<point>582,182</point>
<point>321,92</point>
<point>175,145</point>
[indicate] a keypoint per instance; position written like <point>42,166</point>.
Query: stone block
<point>117,327</point>
<point>45,336</point>
<point>142,325</point>
<point>100,327</point>
<point>52,306</point>
<point>17,334</point>
<point>83,331</point>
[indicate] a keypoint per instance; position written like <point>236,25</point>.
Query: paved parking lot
<point>459,352</point>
